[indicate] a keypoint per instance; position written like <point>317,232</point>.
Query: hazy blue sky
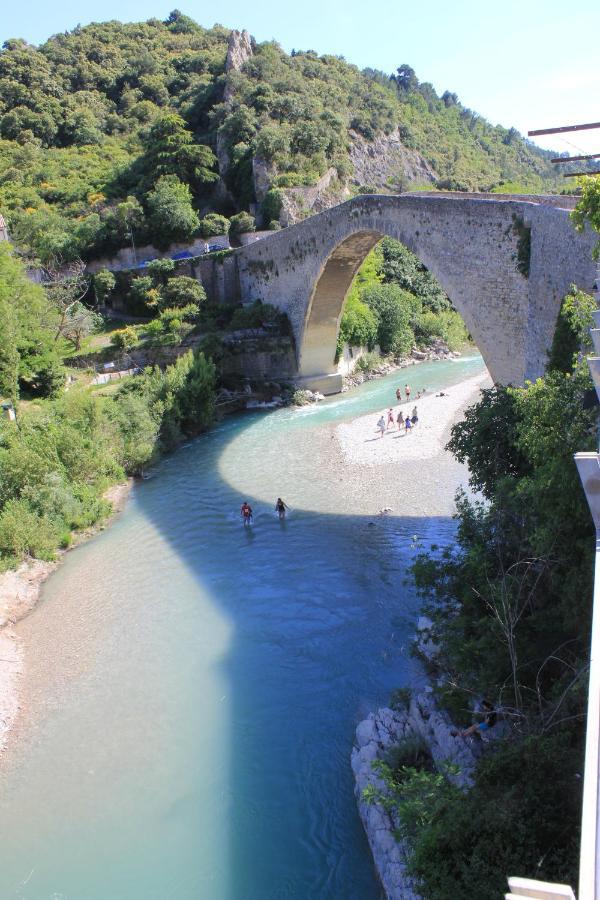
<point>525,63</point>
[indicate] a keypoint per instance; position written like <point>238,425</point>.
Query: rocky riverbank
<point>375,737</point>
<point>387,365</point>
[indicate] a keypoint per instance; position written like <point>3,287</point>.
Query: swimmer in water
<point>280,508</point>
<point>246,513</point>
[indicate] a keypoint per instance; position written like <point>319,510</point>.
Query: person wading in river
<point>246,513</point>
<point>280,508</point>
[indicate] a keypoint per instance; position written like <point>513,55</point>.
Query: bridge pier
<point>324,384</point>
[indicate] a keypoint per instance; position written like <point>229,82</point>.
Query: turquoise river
<point>193,687</point>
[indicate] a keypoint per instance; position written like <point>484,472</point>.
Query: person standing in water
<point>407,392</point>
<point>280,508</point>
<point>246,513</point>
<point>399,394</point>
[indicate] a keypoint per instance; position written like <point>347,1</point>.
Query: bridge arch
<point>504,264</point>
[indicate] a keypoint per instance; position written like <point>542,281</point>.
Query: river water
<point>193,686</point>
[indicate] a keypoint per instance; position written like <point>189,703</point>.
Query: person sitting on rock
<point>490,717</point>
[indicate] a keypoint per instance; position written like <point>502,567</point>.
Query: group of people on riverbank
<point>402,421</point>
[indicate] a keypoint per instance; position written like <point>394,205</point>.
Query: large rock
<point>386,162</point>
<point>375,736</point>
<point>239,50</point>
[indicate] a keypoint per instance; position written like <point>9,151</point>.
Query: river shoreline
<point>20,591</point>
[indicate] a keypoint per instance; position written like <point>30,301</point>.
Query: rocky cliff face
<point>375,737</point>
<point>384,164</point>
<point>240,49</point>
<point>387,163</point>
<point>300,202</point>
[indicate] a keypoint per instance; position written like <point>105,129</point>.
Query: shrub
<point>23,532</point>
<point>125,338</point>
<point>213,224</point>
<point>241,223</point>
<point>271,206</point>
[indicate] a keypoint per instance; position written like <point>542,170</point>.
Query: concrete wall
<point>349,357</point>
<point>470,245</point>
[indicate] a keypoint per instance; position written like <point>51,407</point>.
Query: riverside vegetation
<point>113,134</point>
<point>396,303</point>
<point>511,607</point>
<point>67,447</point>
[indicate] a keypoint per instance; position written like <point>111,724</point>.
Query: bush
<point>182,291</point>
<point>241,223</point>
<point>213,224</point>
<point>358,326</point>
<point>272,206</point>
<point>23,532</point>
<point>125,338</point>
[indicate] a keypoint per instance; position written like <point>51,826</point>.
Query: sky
<point>524,63</point>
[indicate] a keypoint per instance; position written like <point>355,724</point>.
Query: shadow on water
<point>321,621</point>
<point>196,745</point>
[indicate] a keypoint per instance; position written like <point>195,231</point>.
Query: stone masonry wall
<point>470,245</point>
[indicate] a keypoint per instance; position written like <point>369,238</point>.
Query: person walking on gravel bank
<point>381,426</point>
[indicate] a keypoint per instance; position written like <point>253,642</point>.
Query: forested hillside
<point>114,133</point>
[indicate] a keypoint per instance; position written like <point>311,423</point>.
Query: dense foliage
<point>94,120</point>
<point>66,447</point>
<point>29,354</point>
<point>588,208</point>
<point>511,607</point>
<point>395,302</point>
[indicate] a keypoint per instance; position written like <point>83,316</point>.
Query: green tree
<point>104,284</point>
<point>182,291</point>
<point>587,210</point>
<point>172,216</point>
<point>394,309</point>
<point>170,150</point>
<point>241,223</point>
<point>28,355</point>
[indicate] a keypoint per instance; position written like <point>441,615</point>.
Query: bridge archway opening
<point>317,363</point>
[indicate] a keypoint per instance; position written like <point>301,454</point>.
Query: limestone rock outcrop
<point>240,49</point>
<point>375,737</point>
<point>300,202</point>
<point>386,162</point>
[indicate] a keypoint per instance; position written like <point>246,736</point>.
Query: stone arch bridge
<point>504,263</point>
